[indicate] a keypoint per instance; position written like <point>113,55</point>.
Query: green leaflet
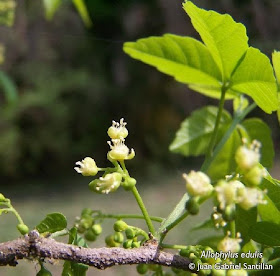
<point>52,223</point>
<point>266,233</point>
<point>254,77</point>
<point>195,131</point>
<point>51,6</point>
<point>268,211</point>
<point>276,66</point>
<point>225,39</point>
<point>82,10</point>
<point>184,58</point>
<point>273,190</point>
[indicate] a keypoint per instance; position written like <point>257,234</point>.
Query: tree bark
<point>33,246</point>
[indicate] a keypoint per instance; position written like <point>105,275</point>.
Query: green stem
<point>143,209</point>
<point>236,120</point>
<point>232,229</point>
<point>59,233</point>
<point>218,119</point>
<point>173,246</point>
<point>128,216</point>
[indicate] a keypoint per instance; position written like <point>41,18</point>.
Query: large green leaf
<point>225,39</point>
<point>52,223</point>
<point>51,6</point>
<point>266,233</point>
<point>184,58</point>
<point>254,77</point>
<point>71,268</point>
<point>244,220</point>
<point>195,131</point>
<point>259,130</point>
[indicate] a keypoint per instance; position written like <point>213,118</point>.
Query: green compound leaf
<point>184,58</point>
<point>195,131</point>
<point>71,268</point>
<point>52,223</point>
<point>254,77</point>
<point>259,130</point>
<point>225,39</point>
<point>51,6</point>
<point>266,233</point>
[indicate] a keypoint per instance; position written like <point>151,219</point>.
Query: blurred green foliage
<point>72,81</point>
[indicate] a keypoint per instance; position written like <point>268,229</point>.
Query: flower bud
<point>118,237</point>
<point>86,212</point>
<point>142,268</point>
<point>192,206</point>
<point>97,229</point>
<point>129,183</point>
<point>127,244</point>
<point>229,213</point>
<point>90,235</point>
<point>130,233</point>
<point>104,185</point>
<point>118,130</point>
<point>87,167</point>
<point>109,240</point>
<point>198,184</point>
<point>135,244</point>
<point>22,228</point>
<point>120,226</point>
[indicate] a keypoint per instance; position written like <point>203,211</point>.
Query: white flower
<point>119,151</point>
<point>198,184</point>
<point>247,157</point>
<point>118,130</point>
<point>228,193</point>
<point>107,184</point>
<point>229,244</point>
<point>87,167</point>
<point>251,197</point>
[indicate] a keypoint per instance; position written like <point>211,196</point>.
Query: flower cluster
<point>246,193</point>
<point>228,244</point>
<point>112,177</point>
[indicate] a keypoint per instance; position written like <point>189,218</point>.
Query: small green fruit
<point>90,235</point>
<point>43,272</point>
<point>120,226</point>
<point>142,268</point>
<point>192,206</point>
<point>118,237</point>
<point>130,233</point>
<point>22,228</point>
<point>127,244</point>
<point>97,229</point>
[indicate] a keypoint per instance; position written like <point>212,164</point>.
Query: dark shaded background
<point>73,81</point>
